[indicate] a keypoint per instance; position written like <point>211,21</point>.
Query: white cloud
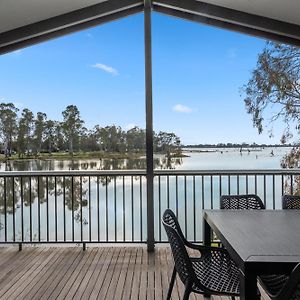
<point>182,108</point>
<point>106,68</point>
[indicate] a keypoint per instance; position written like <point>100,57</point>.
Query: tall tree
<point>112,138</point>
<point>136,139</point>
<point>72,125</point>
<point>8,125</point>
<point>273,93</point>
<point>168,142</point>
<point>25,128</point>
<point>49,135</point>
<point>39,131</point>
<point>59,136</point>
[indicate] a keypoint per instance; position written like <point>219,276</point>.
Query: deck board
<point>98,273</point>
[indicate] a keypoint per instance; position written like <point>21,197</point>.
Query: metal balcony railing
<point>111,206</point>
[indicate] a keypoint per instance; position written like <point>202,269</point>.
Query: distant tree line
<point>236,145</point>
<point>27,134</point>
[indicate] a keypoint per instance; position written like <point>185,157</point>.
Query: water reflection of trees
<point>26,190</point>
<point>161,162</point>
<point>73,190</point>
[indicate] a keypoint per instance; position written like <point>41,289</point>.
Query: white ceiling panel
<point>17,13</point>
<point>282,10</point>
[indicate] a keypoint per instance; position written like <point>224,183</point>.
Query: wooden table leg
<point>206,233</point>
<point>248,285</point>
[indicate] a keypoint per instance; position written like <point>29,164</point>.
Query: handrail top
<point>73,173</point>
<point>229,172</point>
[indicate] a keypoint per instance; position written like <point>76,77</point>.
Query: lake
<point>213,159</point>
<point>113,208</point>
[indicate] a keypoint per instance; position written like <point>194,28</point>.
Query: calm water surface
<point>114,209</point>
<point>213,159</point>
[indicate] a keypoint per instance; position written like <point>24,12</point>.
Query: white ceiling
<point>17,13</point>
<point>283,10</point>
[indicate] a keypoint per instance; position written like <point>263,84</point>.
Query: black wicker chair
<point>241,202</point>
<point>212,273</point>
<point>290,202</point>
<point>282,287</point>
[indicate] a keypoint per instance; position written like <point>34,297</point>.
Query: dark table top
<point>258,236</point>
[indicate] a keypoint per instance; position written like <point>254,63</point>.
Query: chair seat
<point>216,271</point>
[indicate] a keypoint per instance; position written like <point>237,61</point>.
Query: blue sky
<point>197,75</point>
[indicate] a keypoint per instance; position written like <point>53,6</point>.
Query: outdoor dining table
<point>259,241</point>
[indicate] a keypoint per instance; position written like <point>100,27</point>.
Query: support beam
<point>68,23</point>
<point>149,124</point>
<point>231,19</point>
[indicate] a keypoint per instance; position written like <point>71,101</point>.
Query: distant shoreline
<point>137,155</point>
<point>238,146</point>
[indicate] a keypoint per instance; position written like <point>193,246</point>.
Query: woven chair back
<point>241,202</point>
<point>290,202</point>
<point>182,261</point>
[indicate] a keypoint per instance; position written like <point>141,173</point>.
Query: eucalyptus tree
<point>72,125</point>
<point>25,131</point>
<point>49,131</point>
<point>114,138</point>
<point>39,131</point>
<point>273,94</point>
<point>8,126</point>
<point>59,140</point>
<point>88,140</point>
<point>168,142</point>
<point>136,139</point>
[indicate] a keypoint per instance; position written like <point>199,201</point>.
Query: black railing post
<point>149,124</point>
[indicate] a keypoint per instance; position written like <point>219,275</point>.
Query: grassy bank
<point>76,155</point>
<point>82,155</point>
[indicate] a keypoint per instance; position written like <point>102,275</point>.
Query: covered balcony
<point>98,234</point>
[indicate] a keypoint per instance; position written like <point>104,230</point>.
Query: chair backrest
<point>182,261</point>
<point>290,202</point>
<point>170,219</point>
<point>241,202</point>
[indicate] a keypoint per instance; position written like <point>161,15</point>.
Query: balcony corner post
<point>149,124</point>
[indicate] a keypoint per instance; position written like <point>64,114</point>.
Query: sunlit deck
<point>97,273</point>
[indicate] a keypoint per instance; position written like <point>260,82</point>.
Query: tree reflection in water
<point>74,190</point>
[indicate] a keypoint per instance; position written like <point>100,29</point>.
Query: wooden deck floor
<point>97,273</point>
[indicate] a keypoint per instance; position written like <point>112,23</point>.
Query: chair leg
<point>171,284</point>
<point>187,292</point>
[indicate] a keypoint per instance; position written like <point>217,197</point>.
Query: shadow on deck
<point>97,273</point>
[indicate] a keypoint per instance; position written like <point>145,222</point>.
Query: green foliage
<point>32,135</point>
<point>72,125</point>
<point>273,91</point>
<point>8,125</point>
<point>168,142</point>
<point>25,129</point>
<point>39,131</point>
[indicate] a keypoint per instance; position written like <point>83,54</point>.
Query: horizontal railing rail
<point>230,172</point>
<point>73,173</point>
<point>110,206</point>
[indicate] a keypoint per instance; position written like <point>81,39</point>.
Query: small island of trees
<point>25,135</point>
